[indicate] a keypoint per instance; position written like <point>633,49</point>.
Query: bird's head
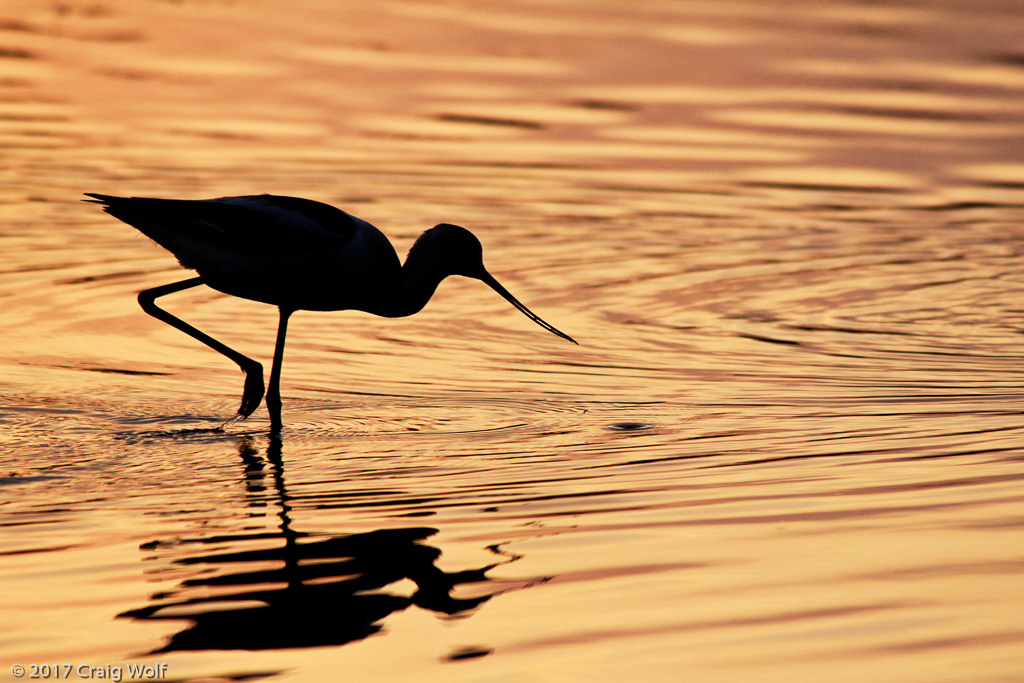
<point>453,250</point>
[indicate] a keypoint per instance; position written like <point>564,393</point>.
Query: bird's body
<point>283,251</point>
<point>296,254</point>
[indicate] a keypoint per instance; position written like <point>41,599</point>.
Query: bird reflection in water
<point>311,590</point>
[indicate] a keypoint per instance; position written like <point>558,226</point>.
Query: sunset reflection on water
<point>788,240</point>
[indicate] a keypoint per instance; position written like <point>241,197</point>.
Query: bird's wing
<point>257,225</point>
<point>300,221</point>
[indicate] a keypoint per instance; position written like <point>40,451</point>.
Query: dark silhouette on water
<point>270,589</point>
<point>296,254</point>
<point>311,592</point>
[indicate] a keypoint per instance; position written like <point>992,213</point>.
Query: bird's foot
<point>252,394</point>
<point>230,422</point>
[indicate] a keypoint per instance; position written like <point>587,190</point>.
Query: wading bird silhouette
<point>296,254</point>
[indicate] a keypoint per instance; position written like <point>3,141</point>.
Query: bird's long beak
<point>493,284</point>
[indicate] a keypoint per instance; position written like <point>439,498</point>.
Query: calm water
<point>789,447</point>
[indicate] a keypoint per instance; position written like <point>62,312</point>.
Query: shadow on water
<point>308,590</point>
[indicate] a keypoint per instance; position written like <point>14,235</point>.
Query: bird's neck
<point>418,281</point>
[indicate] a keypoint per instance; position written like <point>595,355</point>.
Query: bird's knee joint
<point>147,301</point>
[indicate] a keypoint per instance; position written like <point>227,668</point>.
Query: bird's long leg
<point>253,391</point>
<point>274,390</point>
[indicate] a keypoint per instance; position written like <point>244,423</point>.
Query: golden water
<point>789,446</point>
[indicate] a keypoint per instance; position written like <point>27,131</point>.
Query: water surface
<point>788,446</point>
